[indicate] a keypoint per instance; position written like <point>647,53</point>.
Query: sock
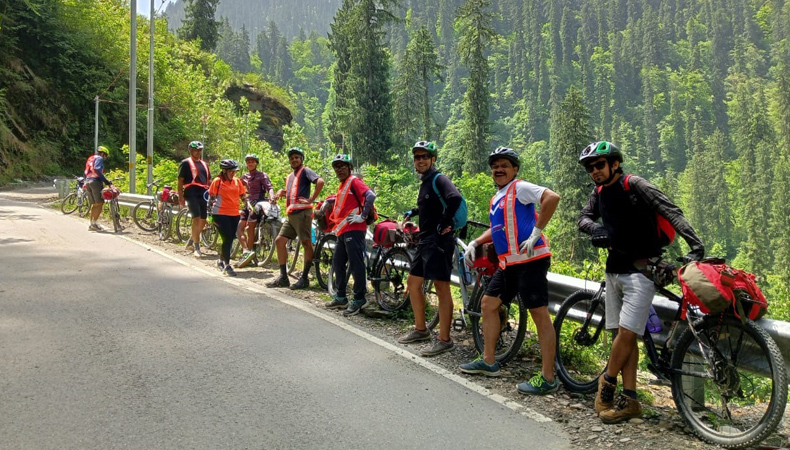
<point>307,266</point>
<point>610,380</point>
<point>283,271</point>
<point>630,393</point>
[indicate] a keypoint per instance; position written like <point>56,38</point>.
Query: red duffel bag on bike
<point>381,234</point>
<point>716,287</point>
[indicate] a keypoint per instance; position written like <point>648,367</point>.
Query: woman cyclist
<point>225,194</point>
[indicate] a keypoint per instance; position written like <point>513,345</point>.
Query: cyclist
<point>193,180</point>
<point>434,257</point>
<point>94,182</point>
<point>259,188</point>
<point>630,215</point>
<point>225,194</point>
<point>524,260</point>
<point>299,220</point>
<point>353,205</point>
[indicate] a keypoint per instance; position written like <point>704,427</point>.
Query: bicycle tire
<point>69,204</point>
<point>331,280</point>
<point>735,411</point>
<point>293,248</point>
<point>209,236</point>
<point>431,304</point>
<point>264,248</point>
<point>583,347</point>
<point>513,327</point>
<point>83,205</point>
<point>389,280</point>
<point>115,214</point>
<point>324,252</point>
<point>163,224</point>
<point>146,218</point>
<point>183,225</point>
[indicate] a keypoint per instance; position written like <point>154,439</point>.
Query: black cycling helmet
<point>429,147</point>
<point>504,152</point>
<point>228,164</point>
<point>252,156</point>
<point>195,145</point>
<point>598,149</point>
<point>297,151</point>
<point>342,158</point>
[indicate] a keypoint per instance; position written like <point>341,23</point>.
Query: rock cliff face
<point>274,115</point>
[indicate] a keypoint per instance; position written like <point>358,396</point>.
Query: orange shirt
<point>228,196</point>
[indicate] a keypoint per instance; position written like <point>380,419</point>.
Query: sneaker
<point>604,399</point>
<point>336,303</point>
<point>245,259</point>
<point>624,408</point>
<point>438,347</point>
<point>354,307</point>
<point>228,270</point>
<point>301,283</point>
<point>93,227</point>
<point>414,336</point>
<point>538,385</point>
<point>220,265</point>
<point>279,281</point>
<point>197,253</point>
<point>480,367</point>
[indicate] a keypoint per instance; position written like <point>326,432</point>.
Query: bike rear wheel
<point>83,205</point>
<point>294,249</point>
<point>730,381</point>
<point>115,214</point>
<point>324,251</point>
<point>389,279</point>
<point>512,325</point>
<point>164,224</point>
<point>183,225</point>
<point>583,343</point>
<point>209,236</point>
<point>145,216</point>
<point>69,204</point>
<point>264,248</point>
<point>431,304</point>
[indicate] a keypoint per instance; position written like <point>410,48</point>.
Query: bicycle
<point>156,214</point>
<point>728,378</point>
<point>110,195</point>
<point>77,200</point>
<point>266,230</point>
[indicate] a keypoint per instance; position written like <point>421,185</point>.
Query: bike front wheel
<point>729,381</point>
<point>83,205</point>
<point>512,328</point>
<point>115,214</point>
<point>145,216</point>
<point>183,225</point>
<point>163,225</point>
<point>209,236</point>
<point>324,252</point>
<point>293,248</point>
<point>583,343</point>
<point>69,204</point>
<point>389,279</point>
<point>264,248</point>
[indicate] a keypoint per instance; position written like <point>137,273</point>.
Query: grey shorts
<point>298,224</point>
<point>94,189</point>
<point>628,300</point>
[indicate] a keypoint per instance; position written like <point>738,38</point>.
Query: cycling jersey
<point>258,185</point>
<point>228,196</point>
<point>429,206</point>
<point>297,184</point>
<point>194,175</point>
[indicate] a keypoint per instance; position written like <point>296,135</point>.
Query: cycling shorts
<point>528,280</point>
<point>196,202</point>
<point>434,258</point>
<point>94,188</point>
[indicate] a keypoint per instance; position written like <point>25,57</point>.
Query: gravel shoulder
<point>660,427</point>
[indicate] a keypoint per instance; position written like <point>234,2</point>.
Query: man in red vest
<point>193,181</point>
<point>299,217</point>
<point>353,205</point>
<point>94,182</point>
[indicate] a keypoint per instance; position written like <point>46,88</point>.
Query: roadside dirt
<point>660,428</point>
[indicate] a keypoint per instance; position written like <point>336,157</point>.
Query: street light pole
<point>133,97</point>
<point>150,149</point>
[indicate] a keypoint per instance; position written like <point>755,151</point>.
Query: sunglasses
<point>422,156</point>
<point>599,165</point>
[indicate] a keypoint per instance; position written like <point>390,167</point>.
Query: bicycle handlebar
<point>477,224</point>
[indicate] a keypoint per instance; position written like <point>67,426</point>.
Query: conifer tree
<point>200,23</point>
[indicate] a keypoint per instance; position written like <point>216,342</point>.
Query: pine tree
<point>200,23</point>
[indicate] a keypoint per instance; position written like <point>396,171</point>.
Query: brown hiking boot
<point>624,408</point>
<point>604,399</point>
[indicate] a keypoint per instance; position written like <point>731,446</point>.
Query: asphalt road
<point>105,344</point>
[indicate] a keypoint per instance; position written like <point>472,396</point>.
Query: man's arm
<point>548,204</point>
<point>370,197</point>
<point>319,186</point>
<point>589,216</point>
<point>180,187</point>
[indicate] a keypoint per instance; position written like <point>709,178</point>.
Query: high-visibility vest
<point>90,171</point>
<point>194,170</point>
<point>293,193</point>
<point>340,203</point>
<point>506,219</point>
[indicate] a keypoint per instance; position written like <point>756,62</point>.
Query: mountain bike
<point>266,230</point>
<point>728,378</point>
<point>156,214</point>
<point>77,200</point>
<point>110,195</point>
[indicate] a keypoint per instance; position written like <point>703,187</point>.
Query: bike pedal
<point>459,325</point>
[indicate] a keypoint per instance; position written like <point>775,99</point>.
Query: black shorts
<point>196,202</point>
<point>434,258</point>
<point>527,280</point>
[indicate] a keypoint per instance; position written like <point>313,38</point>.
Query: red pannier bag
<point>322,212</point>
<point>381,234</point>
<point>486,259</point>
<point>716,287</point>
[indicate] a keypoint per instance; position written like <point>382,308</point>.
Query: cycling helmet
<point>195,145</point>
<point>296,150</point>
<point>103,149</point>
<point>342,158</point>
<point>598,149</point>
<point>252,156</point>
<point>506,153</point>
<point>429,147</point>
<point>228,164</point>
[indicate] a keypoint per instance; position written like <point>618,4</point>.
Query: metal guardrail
<point>561,286</point>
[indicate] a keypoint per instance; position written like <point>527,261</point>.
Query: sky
<point>144,6</point>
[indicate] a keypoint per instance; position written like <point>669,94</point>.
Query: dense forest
<point>695,92</point>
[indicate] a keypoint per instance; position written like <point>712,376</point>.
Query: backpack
<point>461,214</point>
<point>665,230</point>
<point>322,212</point>
<point>716,287</point>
